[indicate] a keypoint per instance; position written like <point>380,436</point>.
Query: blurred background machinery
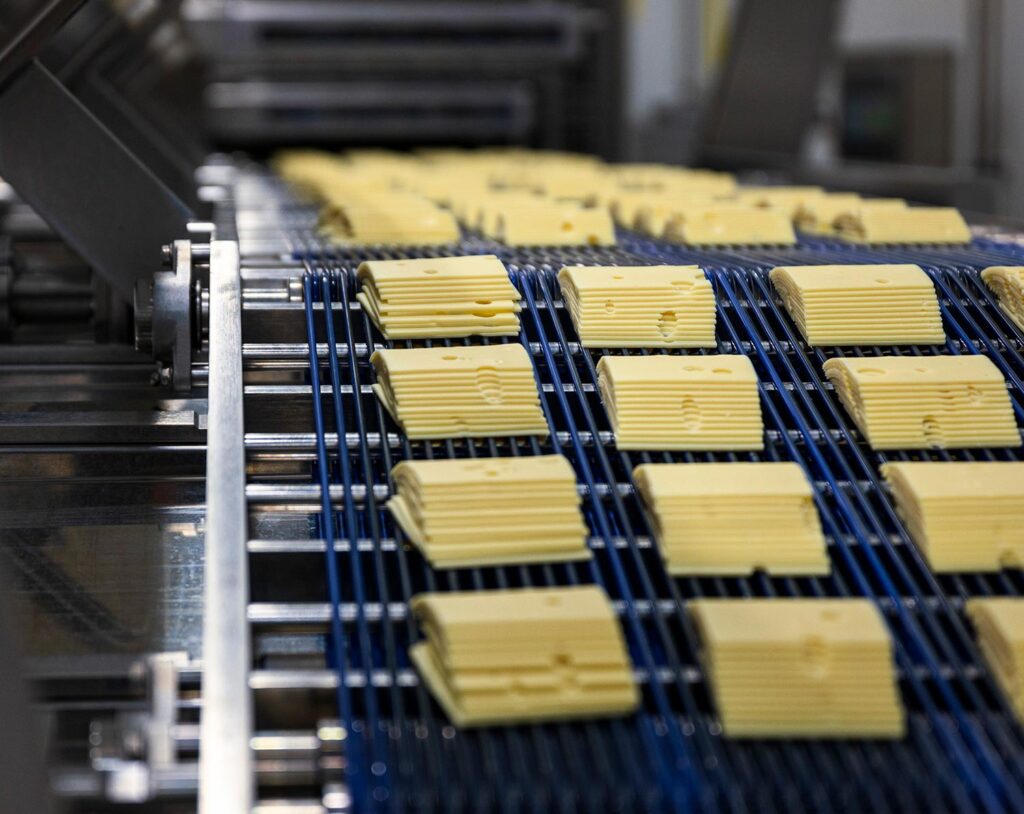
<point>122,126</point>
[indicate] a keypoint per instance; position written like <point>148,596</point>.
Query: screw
<point>167,254</point>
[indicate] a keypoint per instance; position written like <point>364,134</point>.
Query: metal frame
<point>226,781</point>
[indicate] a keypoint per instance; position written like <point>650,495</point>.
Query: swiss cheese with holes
<point>460,392</point>
<point>733,518</point>
<point>682,402</point>
<point>729,225</point>
<point>861,305</point>
<point>440,297</point>
<point>785,199</point>
<point>395,224</point>
<point>999,621</point>
<point>640,306</point>
<point>799,668</point>
<point>921,402</point>
<point>818,215</point>
<point>490,511</point>
<point>512,656</point>
<point>962,515</point>
<point>553,224</point>
<point>1008,284</point>
<point>912,224</point>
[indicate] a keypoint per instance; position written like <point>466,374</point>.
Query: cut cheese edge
<point>641,306</point>
<point>490,511</point>
<point>917,224</point>
<point>733,518</point>
<point>515,656</point>
<point>398,225</point>
<point>962,515</point>
<point>799,668</point>
<point>460,392</point>
<point>1007,282</point>
<point>673,402</point>
<point>444,297</point>
<point>922,402</point>
<point>999,622</point>
<point>861,305</point>
<point>730,225</point>
<point>553,224</point>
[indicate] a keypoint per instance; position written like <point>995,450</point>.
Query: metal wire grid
<point>962,751</point>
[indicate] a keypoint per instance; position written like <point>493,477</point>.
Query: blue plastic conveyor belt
<point>963,749</point>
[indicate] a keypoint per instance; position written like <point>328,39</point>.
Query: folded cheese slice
<point>460,392</point>
<point>733,518</point>
<point>490,511</point>
<point>916,224</point>
<point>399,225</point>
<point>440,297</point>
<point>640,306</point>
<point>682,402</point>
<point>999,621</point>
<point>730,225</point>
<point>861,305</point>
<point>1008,284</point>
<point>512,656</point>
<point>921,402</point>
<point>799,668</point>
<point>553,224</point>
<point>962,515</point>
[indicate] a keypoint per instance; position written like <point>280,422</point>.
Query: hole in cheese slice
<point>999,622</point>
<point>682,402</point>
<point>552,224</point>
<point>1008,284</point>
<point>641,306</point>
<point>460,392</point>
<point>962,515</point>
<point>861,305</point>
<point>440,297</point>
<point>799,668</point>
<point>512,656</point>
<point>490,511</point>
<point>733,518</point>
<point>917,224</point>
<point>918,402</point>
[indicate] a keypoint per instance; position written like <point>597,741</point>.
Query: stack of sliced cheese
<point>490,511</point>
<point>920,402</point>
<point>819,215</point>
<point>398,221</point>
<point>794,668</point>
<point>721,225</point>
<point>505,657</point>
<point>640,307</point>
<point>551,223</point>
<point>682,402</point>
<point>963,515</point>
<point>861,305</point>
<point>912,224</point>
<point>785,199</point>
<point>733,518</point>
<point>440,297</point>
<point>460,392</point>
<point>999,621</point>
<point>1008,284</point>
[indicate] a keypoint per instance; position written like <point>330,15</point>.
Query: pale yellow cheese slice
<point>1008,284</point>
<point>921,402</point>
<point>733,518</point>
<point>785,199</point>
<point>962,515</point>
<point>819,215</point>
<point>490,511</point>
<point>917,224</point>
<point>640,306</point>
<point>512,656</point>
<point>460,392</point>
<point>666,402</point>
<point>861,305</point>
<point>395,225</point>
<point>440,297</point>
<point>999,622</point>
<point>554,224</point>
<point>730,225</point>
<point>799,668</point>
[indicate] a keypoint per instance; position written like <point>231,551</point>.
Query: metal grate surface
<point>963,749</point>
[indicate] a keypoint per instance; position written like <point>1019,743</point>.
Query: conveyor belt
<point>963,749</point>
